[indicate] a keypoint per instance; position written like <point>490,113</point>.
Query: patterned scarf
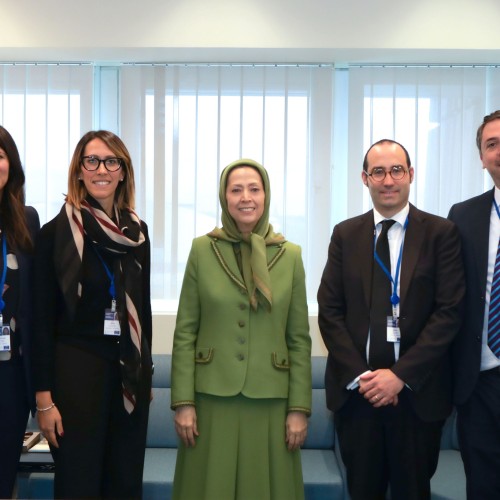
<point>253,247</point>
<point>123,240</point>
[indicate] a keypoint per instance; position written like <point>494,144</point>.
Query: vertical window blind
<point>46,108</point>
<point>187,122</point>
<point>434,112</point>
<point>309,125</point>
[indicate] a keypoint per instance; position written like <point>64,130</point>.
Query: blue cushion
<point>448,483</point>
<point>39,485</point>
<point>161,430</point>
<point>158,477</point>
<point>322,479</point>
<point>318,366</point>
<point>320,432</point>
<point>449,438</point>
<point>161,375</point>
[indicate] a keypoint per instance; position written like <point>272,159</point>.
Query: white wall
<point>164,324</point>
<point>423,31</point>
<point>296,31</point>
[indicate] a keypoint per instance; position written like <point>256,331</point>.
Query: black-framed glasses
<point>397,172</point>
<point>92,163</point>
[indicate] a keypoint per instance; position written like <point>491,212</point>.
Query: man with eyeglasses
<point>476,351</point>
<point>390,304</point>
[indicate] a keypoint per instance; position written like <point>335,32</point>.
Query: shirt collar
<point>401,216</point>
<point>497,196</point>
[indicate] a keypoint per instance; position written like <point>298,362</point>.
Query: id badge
<point>393,332</point>
<point>111,323</point>
<point>5,339</point>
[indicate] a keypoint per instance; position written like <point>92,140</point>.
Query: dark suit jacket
<point>25,313</point>
<point>473,220</point>
<point>432,291</point>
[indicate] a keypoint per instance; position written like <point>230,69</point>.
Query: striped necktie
<point>494,310</point>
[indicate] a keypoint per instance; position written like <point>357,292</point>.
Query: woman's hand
<point>185,425</point>
<point>296,429</point>
<point>49,421</point>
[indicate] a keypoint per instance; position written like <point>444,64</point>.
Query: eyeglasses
<point>397,172</point>
<point>92,163</point>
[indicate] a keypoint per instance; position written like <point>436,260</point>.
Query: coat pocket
<point>204,355</point>
<point>280,361</point>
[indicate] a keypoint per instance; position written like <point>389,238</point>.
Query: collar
<point>400,217</point>
<point>496,194</point>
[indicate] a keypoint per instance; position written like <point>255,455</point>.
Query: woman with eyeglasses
<point>18,227</point>
<point>92,362</point>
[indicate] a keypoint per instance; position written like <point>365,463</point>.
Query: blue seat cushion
<point>159,468</point>
<point>448,483</point>
<point>321,475</point>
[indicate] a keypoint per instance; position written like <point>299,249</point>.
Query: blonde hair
<point>125,192</point>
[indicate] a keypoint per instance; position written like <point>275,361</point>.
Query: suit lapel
<point>366,245</point>
<point>413,240</point>
<point>227,260</point>
<point>480,246</point>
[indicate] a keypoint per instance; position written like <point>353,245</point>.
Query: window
<point>434,112</point>
<point>196,120</point>
<point>46,108</point>
<point>308,125</point>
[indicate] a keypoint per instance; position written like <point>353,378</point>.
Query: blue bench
<point>448,483</point>
<point>323,471</point>
<point>320,469</point>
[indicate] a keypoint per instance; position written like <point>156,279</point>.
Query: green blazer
<point>223,347</point>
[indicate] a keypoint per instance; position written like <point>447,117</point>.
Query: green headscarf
<point>253,246</point>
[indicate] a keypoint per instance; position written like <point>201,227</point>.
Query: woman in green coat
<point>241,360</point>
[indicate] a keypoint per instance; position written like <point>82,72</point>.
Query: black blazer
<point>432,291</point>
<point>473,220</point>
<point>25,312</point>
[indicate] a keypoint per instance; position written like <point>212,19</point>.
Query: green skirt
<point>240,454</point>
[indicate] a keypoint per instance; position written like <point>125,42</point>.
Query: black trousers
<point>387,447</point>
<point>478,425</point>
<point>101,454</point>
<point>14,412</point>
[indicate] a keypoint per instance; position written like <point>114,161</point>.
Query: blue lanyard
<point>387,272</point>
<point>496,207</point>
<point>4,272</point>
<point>111,277</point>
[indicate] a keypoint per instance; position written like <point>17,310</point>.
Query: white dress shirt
<point>488,359</point>
<point>395,237</point>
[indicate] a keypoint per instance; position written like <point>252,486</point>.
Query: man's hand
<point>381,387</point>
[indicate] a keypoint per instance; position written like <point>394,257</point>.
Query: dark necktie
<point>494,309</point>
<point>381,353</point>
